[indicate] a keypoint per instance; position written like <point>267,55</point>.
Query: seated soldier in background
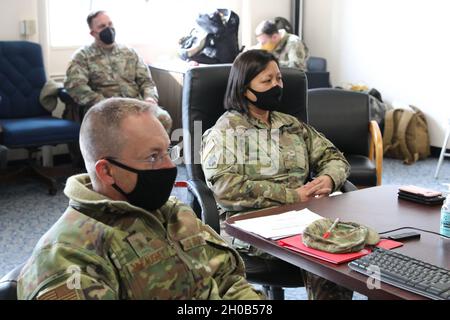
<point>107,69</point>
<point>289,49</point>
<point>122,237</point>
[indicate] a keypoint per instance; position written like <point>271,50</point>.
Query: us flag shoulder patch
<point>60,292</point>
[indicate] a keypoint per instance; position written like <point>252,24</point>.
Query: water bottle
<point>445,217</point>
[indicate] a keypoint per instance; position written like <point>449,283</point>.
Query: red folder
<point>295,243</point>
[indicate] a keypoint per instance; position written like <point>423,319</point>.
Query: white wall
<point>400,47</point>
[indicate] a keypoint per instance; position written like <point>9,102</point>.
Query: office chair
<point>8,284</point>
<point>24,123</point>
<point>344,118</point>
<point>316,64</point>
<point>316,73</point>
<point>203,92</point>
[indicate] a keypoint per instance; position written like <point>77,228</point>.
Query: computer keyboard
<point>405,272</point>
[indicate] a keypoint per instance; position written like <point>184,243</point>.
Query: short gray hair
<point>100,134</point>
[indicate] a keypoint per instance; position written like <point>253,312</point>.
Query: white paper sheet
<point>280,225</point>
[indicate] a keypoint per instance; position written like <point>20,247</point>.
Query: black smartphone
<point>423,200</point>
<point>405,236</point>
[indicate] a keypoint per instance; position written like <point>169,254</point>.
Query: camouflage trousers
<point>316,287</point>
<point>322,289</point>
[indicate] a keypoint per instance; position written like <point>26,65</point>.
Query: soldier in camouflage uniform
<point>122,237</point>
<point>288,48</point>
<point>106,69</point>
<point>255,157</point>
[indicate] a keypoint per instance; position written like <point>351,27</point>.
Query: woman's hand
<point>318,188</point>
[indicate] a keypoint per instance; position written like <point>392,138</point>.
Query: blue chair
<point>24,123</point>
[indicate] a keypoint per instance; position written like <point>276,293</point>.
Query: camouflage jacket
<point>291,51</point>
<point>249,165</point>
<point>95,74</point>
<point>104,249</point>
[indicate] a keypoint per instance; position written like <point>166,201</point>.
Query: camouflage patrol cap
<point>345,236</point>
<point>48,96</point>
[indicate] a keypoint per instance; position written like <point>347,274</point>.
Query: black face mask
<point>108,35</point>
<point>268,100</point>
<point>153,187</point>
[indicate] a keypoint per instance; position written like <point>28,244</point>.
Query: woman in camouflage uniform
<point>255,157</point>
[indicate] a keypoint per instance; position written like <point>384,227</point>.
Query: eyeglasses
<point>174,154</point>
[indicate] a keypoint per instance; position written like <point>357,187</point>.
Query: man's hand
<point>318,188</point>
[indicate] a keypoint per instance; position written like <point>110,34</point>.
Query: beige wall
<point>11,13</point>
<point>400,47</point>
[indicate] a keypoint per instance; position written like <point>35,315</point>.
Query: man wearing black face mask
<point>106,69</point>
<point>122,234</point>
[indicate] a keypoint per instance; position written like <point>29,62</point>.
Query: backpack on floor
<point>406,135</point>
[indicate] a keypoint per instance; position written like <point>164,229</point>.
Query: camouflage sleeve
<point>297,55</point>
<point>67,274</point>
<point>144,80</point>
<point>325,158</point>
<point>225,275</point>
<point>233,189</point>
<point>76,82</point>
<point>228,269</point>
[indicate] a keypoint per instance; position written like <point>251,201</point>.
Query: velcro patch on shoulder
<point>60,292</point>
<point>192,242</point>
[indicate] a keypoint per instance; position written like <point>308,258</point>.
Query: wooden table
<point>378,208</point>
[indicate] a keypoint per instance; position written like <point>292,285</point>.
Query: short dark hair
<point>92,16</point>
<point>245,67</point>
<point>100,130</point>
<point>268,27</point>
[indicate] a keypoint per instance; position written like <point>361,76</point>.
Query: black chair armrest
<point>8,284</point>
<point>206,202</point>
<point>348,187</point>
